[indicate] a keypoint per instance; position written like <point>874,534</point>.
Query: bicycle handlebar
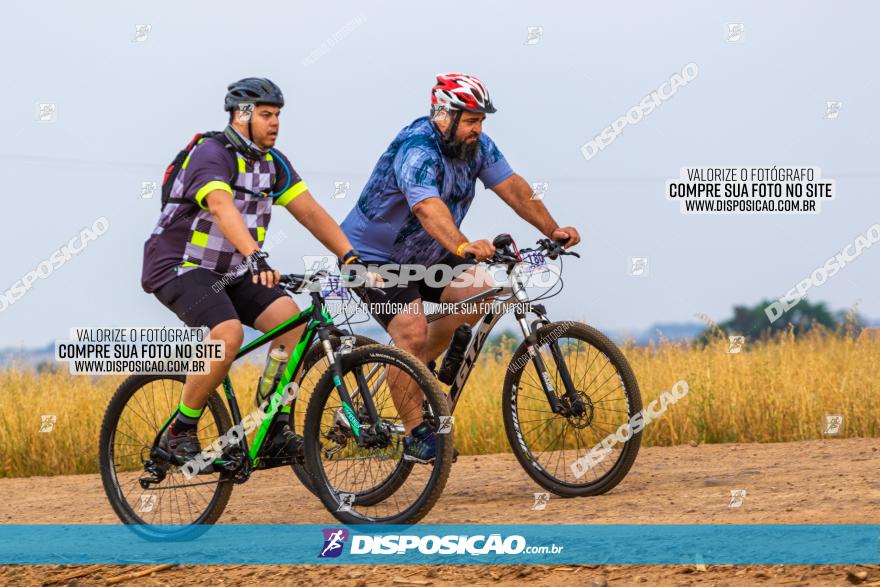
<point>293,281</point>
<point>505,252</point>
<point>553,249</point>
<point>297,283</point>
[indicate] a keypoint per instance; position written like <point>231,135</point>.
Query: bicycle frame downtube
<point>514,287</point>
<point>476,345</point>
<point>276,399</point>
<point>318,320</point>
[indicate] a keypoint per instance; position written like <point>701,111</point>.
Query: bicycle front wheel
<point>551,446</point>
<point>314,366</point>
<point>358,467</point>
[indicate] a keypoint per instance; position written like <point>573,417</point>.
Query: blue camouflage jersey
<point>382,226</point>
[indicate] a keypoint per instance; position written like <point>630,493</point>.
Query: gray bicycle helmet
<point>256,90</point>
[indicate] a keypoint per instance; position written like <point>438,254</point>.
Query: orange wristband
<point>460,247</point>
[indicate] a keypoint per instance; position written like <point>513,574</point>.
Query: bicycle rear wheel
<point>361,476</point>
<point>548,444</point>
<point>134,417</point>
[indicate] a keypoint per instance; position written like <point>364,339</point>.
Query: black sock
<point>182,425</point>
<point>187,419</point>
<point>178,427</point>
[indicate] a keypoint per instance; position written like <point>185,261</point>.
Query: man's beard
<point>463,150</point>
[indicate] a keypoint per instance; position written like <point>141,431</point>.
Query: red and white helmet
<point>457,91</point>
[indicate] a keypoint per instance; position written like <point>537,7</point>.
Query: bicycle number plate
<point>534,262</point>
<point>333,289</point>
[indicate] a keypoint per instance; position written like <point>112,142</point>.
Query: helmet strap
<point>243,147</point>
<point>453,128</point>
<point>447,139</point>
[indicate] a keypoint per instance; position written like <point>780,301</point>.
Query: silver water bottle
<point>275,364</point>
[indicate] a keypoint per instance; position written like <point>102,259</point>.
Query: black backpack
<point>173,169</point>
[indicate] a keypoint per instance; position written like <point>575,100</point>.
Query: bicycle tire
<point>313,356</point>
<point>216,505</point>
<point>516,436</point>
<point>439,406</point>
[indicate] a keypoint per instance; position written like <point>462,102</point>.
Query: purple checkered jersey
<point>186,235</point>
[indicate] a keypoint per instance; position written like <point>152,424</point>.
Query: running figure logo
<point>47,422</point>
<point>735,344</point>
<point>737,497</point>
<point>334,540</point>
<point>833,424</point>
<point>832,109</point>
<point>541,501</point>
<point>638,266</point>
<point>148,188</point>
<point>340,188</point>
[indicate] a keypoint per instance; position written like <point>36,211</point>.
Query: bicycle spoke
<point>174,500</point>
<point>556,439</point>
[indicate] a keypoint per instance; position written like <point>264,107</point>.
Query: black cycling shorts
<point>200,297</point>
<point>380,305</point>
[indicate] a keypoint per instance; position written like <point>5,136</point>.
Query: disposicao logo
<point>334,541</point>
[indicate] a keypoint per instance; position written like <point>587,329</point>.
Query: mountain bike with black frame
<point>566,389</point>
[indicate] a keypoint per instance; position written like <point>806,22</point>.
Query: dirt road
<point>827,481</point>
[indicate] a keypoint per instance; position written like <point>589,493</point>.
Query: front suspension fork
<point>338,381</point>
<point>574,400</point>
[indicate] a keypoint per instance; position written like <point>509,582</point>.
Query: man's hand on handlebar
<point>351,263</point>
<point>479,250</point>
<point>260,270</point>
<point>569,234</point>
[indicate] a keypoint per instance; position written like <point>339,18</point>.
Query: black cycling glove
<point>256,262</point>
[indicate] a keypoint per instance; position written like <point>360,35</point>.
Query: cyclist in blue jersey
<point>410,212</point>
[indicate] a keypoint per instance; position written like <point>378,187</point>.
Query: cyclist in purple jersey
<point>410,211</point>
<point>204,259</point>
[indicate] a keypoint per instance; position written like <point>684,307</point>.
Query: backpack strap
<point>276,159</point>
<point>221,138</point>
<point>175,166</point>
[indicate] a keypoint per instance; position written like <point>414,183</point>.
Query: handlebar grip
<point>502,241</point>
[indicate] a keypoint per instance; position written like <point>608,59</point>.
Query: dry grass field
<point>773,391</point>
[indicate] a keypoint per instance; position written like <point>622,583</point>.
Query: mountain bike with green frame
<point>163,498</point>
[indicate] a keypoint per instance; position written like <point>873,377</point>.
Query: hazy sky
<point>124,108</point>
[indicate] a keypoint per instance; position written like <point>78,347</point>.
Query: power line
<point>48,159</point>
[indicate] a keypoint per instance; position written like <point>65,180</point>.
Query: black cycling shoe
<point>420,445</point>
<point>286,444</point>
<point>183,447</point>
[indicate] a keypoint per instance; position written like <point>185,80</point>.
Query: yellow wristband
<point>460,247</point>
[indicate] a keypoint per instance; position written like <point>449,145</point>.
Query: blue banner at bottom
<point>442,544</point>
